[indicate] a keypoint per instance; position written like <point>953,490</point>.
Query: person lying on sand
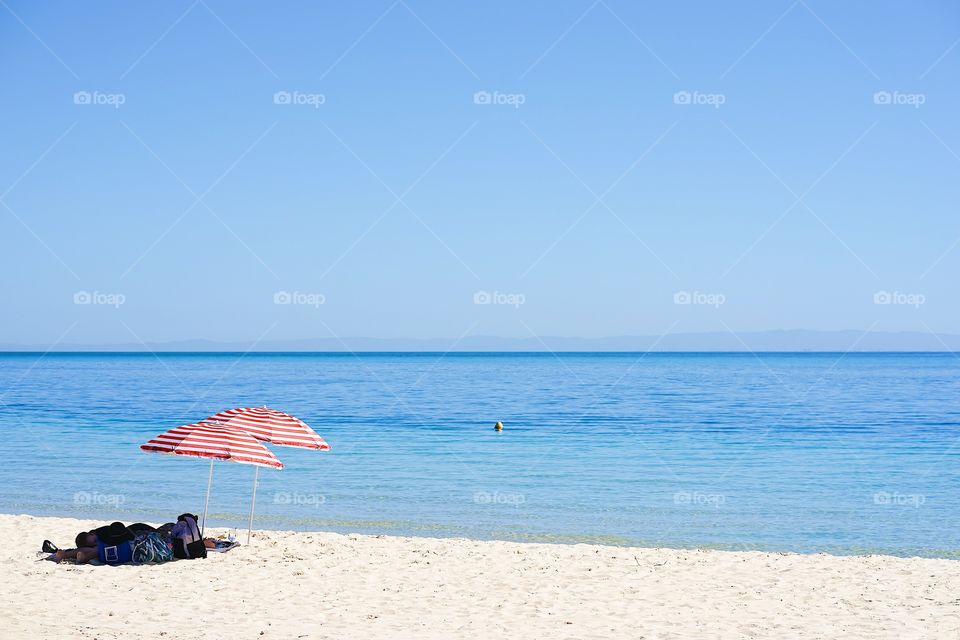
<point>87,542</point>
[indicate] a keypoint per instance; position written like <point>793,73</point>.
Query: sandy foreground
<point>327,585</point>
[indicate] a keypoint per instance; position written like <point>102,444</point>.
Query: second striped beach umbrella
<point>270,425</point>
<point>214,442</point>
<point>275,427</point>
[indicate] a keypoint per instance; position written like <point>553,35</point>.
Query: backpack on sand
<point>187,541</point>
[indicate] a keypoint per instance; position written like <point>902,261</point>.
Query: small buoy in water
<point>498,426</point>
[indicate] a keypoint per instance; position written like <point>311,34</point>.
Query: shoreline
<point>239,526</point>
<point>332,585</point>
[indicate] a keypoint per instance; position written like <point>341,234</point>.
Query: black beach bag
<point>187,540</point>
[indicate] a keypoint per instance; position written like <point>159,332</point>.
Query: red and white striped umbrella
<point>270,425</point>
<point>217,442</point>
<point>214,442</point>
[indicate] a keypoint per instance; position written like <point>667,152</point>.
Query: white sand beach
<point>326,585</point>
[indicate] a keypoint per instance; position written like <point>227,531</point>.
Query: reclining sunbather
<point>88,543</point>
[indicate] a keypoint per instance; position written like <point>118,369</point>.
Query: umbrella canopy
<point>270,425</point>
<point>217,442</point>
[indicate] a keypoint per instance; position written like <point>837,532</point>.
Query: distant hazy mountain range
<point>792,341</point>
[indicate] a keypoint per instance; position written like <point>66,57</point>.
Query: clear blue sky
<point>399,197</point>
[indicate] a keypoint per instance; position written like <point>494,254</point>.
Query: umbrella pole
<point>253,502</point>
<point>206,503</point>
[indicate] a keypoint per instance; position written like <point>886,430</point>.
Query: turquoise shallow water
<point>791,452</point>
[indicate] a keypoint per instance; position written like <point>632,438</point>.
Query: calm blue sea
<point>791,452</point>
